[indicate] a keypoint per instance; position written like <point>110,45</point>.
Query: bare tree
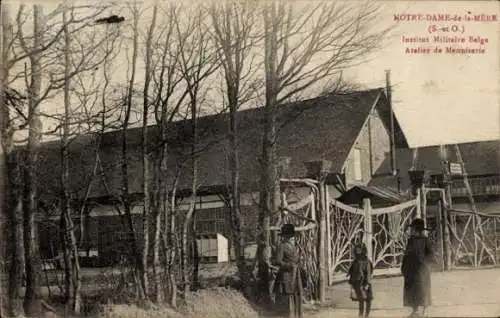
<point>145,151</point>
<point>235,35</point>
<point>198,60</point>
<point>31,253</point>
<point>72,68</point>
<point>125,197</point>
<point>167,97</point>
<point>303,47</point>
<point>48,60</point>
<point>9,169</point>
<point>70,248</point>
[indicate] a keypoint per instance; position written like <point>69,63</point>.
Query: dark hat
<point>287,230</point>
<point>418,224</point>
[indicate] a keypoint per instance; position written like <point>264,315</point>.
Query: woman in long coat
<point>416,269</point>
<point>288,286</point>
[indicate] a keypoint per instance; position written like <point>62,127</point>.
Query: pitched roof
<point>480,158</point>
<point>320,128</point>
<point>378,195</point>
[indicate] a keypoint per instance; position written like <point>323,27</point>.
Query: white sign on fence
<point>456,168</point>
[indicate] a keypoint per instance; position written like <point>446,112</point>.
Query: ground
<point>460,293</point>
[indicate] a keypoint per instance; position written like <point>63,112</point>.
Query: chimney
<point>417,179</point>
<point>316,169</point>
<point>284,166</point>
<point>391,114</point>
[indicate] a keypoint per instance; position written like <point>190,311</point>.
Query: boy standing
<point>360,275</point>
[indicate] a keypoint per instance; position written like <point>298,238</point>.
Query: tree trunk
<point>269,194</point>
<point>238,239</point>
<point>134,251</point>
<point>68,279</point>
<point>186,281</point>
<point>156,207</point>
<point>170,229</point>
<point>30,238</point>
<point>11,201</point>
<point>189,215</point>
<point>9,183</point>
<point>145,156</point>
<point>14,239</point>
<point>162,211</point>
<point>167,210</point>
<point>156,252</point>
<point>196,256</point>
<point>70,248</point>
<point>145,215</point>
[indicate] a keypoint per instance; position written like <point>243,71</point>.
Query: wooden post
<point>367,238</point>
<point>328,237</point>
<point>440,236</point>
<point>320,169</point>
<point>418,212</point>
<point>495,238</point>
<point>423,206</point>
<point>446,229</point>
<point>321,242</point>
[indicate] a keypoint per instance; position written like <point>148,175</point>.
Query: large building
<point>481,162</point>
<point>351,130</point>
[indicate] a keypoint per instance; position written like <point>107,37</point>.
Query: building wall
<point>373,143</point>
<point>106,232</point>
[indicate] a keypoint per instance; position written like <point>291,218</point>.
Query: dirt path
<point>463,293</point>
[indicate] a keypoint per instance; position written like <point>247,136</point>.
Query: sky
<point>441,98</point>
<point>438,98</point>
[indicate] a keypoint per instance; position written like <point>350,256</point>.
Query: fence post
<point>445,224</point>
<point>440,237</point>
<point>496,240</point>
<point>367,238</point>
<point>418,212</point>
<point>423,205</point>
<point>321,242</point>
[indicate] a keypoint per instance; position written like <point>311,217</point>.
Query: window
<point>357,164</point>
<point>209,221</point>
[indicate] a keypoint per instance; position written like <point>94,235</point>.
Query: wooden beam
<point>367,237</point>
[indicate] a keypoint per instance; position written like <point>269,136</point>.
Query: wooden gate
<point>474,238</point>
<point>383,230</point>
<point>298,206</point>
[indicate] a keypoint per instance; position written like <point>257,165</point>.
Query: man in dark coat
<point>416,269</point>
<point>288,286</point>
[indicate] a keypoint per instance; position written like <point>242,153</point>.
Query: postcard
<point>250,158</point>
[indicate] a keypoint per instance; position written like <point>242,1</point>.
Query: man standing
<point>288,286</point>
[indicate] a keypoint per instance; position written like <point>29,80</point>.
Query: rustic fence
<point>474,239</point>
<point>383,230</point>
<point>302,212</point>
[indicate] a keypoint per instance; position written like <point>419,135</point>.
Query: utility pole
<point>392,138</point>
<point>445,217</point>
<point>322,248</point>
